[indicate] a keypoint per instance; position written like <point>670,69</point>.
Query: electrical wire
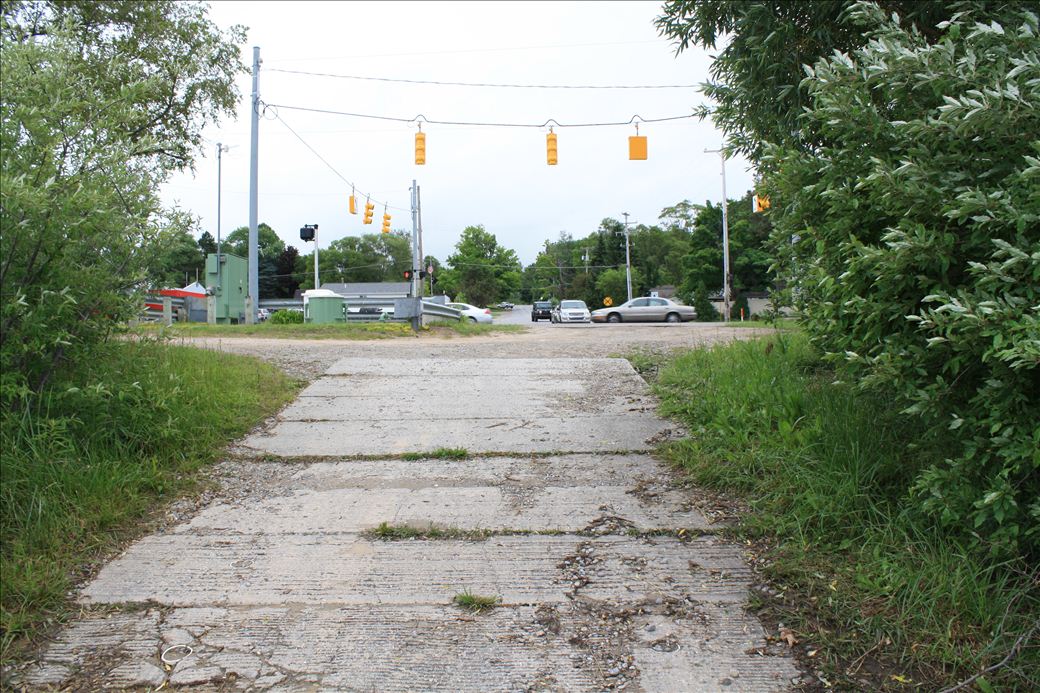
<point>486,84</point>
<point>332,168</point>
<point>552,122</point>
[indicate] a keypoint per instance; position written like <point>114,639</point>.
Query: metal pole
<point>422,258</point>
<point>725,237</point>
<point>628,259</point>
<point>415,239</point>
<point>220,148</point>
<point>254,146</point>
<point>317,284</point>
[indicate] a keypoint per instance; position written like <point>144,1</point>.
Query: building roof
<point>369,289</point>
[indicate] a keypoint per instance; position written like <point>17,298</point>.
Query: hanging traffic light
<point>420,148</point>
<point>386,223</point>
<point>353,204</point>
<point>637,147</point>
<point>550,148</point>
<point>369,208</point>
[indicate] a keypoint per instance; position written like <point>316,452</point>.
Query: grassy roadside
<point>99,451</point>
<point>877,598</point>
<point>347,331</point>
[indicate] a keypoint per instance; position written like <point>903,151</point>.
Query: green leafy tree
<point>286,279</point>
<point>102,101</point>
<point>174,258</point>
<point>207,244</point>
<point>484,270</point>
<point>613,283</point>
<point>705,309</point>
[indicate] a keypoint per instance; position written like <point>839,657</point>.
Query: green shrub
<point>919,223</point>
<point>286,317</point>
<point>705,309</point>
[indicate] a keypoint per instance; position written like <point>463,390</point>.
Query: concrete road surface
<point>606,574</point>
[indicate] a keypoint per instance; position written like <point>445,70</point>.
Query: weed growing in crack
<point>476,603</point>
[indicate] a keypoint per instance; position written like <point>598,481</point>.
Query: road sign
<point>608,301</point>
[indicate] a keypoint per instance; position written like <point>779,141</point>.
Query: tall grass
<point>92,456</point>
<point>826,471</point>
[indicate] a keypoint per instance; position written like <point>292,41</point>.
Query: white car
<point>482,315</point>
<point>262,314</point>
<point>571,311</point>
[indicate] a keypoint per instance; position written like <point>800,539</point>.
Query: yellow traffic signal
<point>386,223</point>
<point>550,148</point>
<point>637,148</point>
<point>369,207</point>
<point>353,205</point>
<point>420,148</point>
<point>761,203</point>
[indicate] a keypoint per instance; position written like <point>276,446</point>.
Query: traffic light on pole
<point>420,148</point>
<point>369,208</point>
<point>386,223</point>
<point>550,148</point>
<point>408,275</point>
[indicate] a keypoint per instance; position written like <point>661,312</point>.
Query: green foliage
<point>100,447</point>
<point>286,317</point>
<point>101,102</point>
<point>825,468</point>
<point>614,283</point>
<point>920,240</point>
<point>482,269</point>
<point>705,309</point>
<point>904,172</point>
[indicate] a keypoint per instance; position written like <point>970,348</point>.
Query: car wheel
<point>673,317</point>
<point>534,319</point>
<point>614,317</point>
<point>472,319</point>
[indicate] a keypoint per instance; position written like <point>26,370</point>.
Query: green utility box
<point>325,309</point>
<point>230,288</point>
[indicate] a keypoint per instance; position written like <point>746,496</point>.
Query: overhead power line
<point>333,168</point>
<point>551,122</point>
<point>487,84</point>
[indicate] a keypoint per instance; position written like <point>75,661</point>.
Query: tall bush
<point>918,248</point>
<point>101,102</point>
<point>904,170</point>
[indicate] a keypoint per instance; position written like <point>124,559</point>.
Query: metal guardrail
<point>429,309</point>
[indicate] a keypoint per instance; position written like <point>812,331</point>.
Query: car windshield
<point>542,304</point>
<point>573,305</point>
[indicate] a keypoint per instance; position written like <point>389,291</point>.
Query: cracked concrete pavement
<point>609,575</point>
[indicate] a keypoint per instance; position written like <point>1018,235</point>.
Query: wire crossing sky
<point>346,86</point>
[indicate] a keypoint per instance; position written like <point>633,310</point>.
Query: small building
<point>389,290</point>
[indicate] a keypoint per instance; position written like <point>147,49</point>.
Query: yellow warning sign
<point>608,301</point>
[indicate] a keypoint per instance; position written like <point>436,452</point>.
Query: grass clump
<point>388,532</point>
<point>88,458</point>
<point>863,576</point>
<point>476,603</point>
<point>438,454</point>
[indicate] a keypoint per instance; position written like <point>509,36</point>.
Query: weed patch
<point>476,603</point>
<point>438,454</point>
<point>95,453</point>
<point>856,570</point>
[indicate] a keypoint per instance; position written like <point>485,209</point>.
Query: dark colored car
<point>541,310</point>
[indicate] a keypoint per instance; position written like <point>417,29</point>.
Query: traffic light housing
<point>386,223</point>
<point>420,148</point>
<point>353,205</point>
<point>369,208</point>
<point>637,148</point>
<point>761,203</point>
<point>307,232</point>
<point>550,148</point>
<point>408,275</point>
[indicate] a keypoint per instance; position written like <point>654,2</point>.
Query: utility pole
<point>415,238</point>
<point>422,258</point>
<point>585,256</point>
<point>253,297</point>
<point>220,149</point>
<point>628,259</point>
<point>725,237</point>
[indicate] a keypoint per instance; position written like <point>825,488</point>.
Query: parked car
<point>541,310</point>
<point>505,305</point>
<point>262,314</point>
<point>645,310</point>
<point>571,311</point>
<point>482,315</point>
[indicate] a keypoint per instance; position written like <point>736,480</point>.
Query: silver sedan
<point>645,309</point>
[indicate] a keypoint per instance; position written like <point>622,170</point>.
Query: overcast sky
<point>493,176</point>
